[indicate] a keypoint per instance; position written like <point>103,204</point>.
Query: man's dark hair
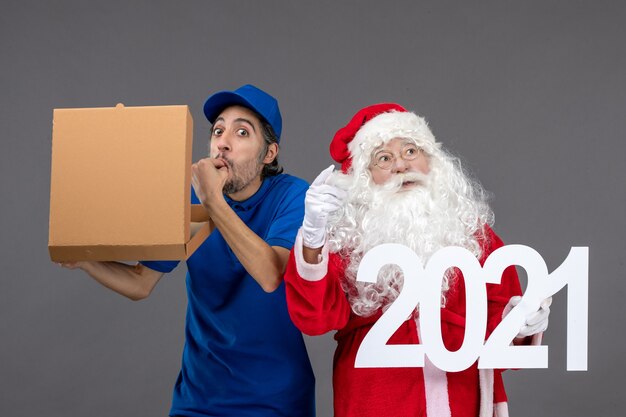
<point>269,137</point>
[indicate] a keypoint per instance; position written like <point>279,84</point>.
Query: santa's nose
<point>399,165</point>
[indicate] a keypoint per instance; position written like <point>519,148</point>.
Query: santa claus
<point>396,185</point>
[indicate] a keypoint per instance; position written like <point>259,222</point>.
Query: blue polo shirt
<point>243,356</point>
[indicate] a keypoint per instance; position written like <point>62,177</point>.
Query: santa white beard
<point>441,211</point>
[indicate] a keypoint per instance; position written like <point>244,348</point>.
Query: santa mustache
<point>398,180</point>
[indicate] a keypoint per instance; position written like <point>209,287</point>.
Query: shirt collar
<point>252,201</point>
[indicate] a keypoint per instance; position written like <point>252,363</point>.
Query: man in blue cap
<point>242,355</point>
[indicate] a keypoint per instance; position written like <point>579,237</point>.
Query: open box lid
<point>121,183</point>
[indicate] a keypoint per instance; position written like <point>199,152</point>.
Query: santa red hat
<point>374,125</point>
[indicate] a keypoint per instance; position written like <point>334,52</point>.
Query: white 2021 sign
<point>422,285</point>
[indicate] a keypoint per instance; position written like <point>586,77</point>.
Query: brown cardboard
<point>120,185</point>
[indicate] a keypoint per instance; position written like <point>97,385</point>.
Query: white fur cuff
<point>310,272</point>
<point>501,409</point>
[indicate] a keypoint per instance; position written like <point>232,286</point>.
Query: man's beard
<point>241,175</point>
<point>419,218</point>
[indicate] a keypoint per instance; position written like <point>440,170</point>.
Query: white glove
<point>535,322</point>
<point>321,199</point>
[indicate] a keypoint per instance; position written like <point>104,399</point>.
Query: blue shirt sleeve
<point>161,266</point>
<point>289,216</point>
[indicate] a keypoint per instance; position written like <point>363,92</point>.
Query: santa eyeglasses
<point>385,159</point>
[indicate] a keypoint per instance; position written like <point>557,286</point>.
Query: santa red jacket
<point>317,304</point>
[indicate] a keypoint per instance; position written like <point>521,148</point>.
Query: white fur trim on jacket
<point>485,380</point>
<point>435,387</point>
<point>501,409</point>
<point>310,272</point>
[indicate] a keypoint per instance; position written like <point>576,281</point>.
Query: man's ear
<point>272,152</point>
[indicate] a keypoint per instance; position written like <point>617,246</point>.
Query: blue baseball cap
<point>247,96</point>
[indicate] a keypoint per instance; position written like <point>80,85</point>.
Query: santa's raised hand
<point>322,198</point>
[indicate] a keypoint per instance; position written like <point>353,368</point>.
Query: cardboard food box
<point>121,183</point>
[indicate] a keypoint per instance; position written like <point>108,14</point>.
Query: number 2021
<point>422,285</point>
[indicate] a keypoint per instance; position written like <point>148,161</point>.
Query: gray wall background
<point>531,94</point>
